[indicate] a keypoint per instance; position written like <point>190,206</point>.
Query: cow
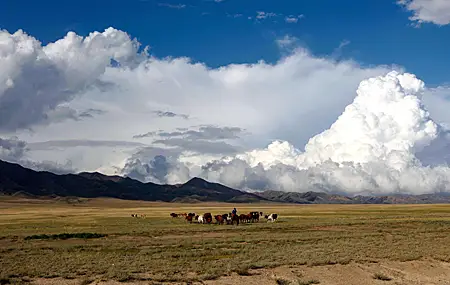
<point>226,218</point>
<point>208,218</point>
<point>219,219</point>
<point>272,217</point>
<point>243,218</point>
<point>254,216</point>
<point>173,215</point>
<point>200,219</point>
<point>189,217</point>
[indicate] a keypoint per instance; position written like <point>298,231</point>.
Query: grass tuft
<point>243,272</point>
<point>381,276</point>
<point>85,281</point>
<point>281,281</point>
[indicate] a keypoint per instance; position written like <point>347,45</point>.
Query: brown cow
<point>207,218</point>
<point>219,219</point>
<point>189,218</point>
<point>173,215</point>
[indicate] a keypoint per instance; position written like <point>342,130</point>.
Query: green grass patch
<point>66,236</point>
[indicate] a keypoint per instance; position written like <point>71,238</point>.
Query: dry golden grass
<point>160,248</point>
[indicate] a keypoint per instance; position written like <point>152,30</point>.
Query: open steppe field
<point>309,244</point>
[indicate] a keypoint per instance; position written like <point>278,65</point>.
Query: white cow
<point>200,219</point>
<point>272,218</point>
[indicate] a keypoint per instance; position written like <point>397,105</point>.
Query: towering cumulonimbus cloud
<point>372,147</point>
<point>385,123</point>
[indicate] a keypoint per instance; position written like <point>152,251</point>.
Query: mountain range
<point>16,180</point>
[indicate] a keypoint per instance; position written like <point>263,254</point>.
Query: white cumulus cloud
<point>431,11</point>
<point>34,79</point>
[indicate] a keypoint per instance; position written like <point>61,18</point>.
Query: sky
<point>343,97</point>
<point>220,33</point>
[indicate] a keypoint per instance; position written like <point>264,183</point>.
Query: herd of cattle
<point>229,219</point>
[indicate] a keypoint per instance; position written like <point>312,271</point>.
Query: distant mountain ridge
<point>324,198</point>
<point>16,180</point>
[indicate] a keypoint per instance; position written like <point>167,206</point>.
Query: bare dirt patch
<point>419,272</point>
<point>423,272</point>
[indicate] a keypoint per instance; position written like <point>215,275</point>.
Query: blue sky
<point>219,33</point>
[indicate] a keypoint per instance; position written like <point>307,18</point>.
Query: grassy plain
<point>159,248</point>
